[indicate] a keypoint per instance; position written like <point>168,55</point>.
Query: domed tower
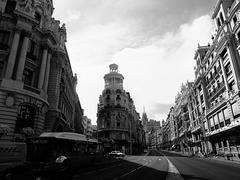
<point>114,112</point>
<point>113,80</point>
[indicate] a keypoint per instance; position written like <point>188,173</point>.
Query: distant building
<point>94,133</point>
<point>150,128</point>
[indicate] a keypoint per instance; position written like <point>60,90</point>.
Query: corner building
<point>35,71</point>
<point>118,124</point>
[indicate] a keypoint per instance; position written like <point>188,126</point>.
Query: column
<point>45,86</point>
<point>234,64</point>
<point>13,54</point>
<point>22,58</point>
<point>42,68</point>
<point>222,146</point>
<point>203,84</point>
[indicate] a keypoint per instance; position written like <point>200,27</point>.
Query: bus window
<point>38,150</point>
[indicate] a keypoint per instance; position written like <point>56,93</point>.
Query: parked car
<point>116,154</point>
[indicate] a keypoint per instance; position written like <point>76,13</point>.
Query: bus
<point>54,152</point>
<point>12,154</point>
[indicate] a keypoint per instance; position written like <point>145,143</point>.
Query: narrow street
<point>156,166</point>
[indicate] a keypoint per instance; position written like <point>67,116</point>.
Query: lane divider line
<point>133,170</point>
<point>173,173</point>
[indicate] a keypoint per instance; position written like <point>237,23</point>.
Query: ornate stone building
<point>118,122</point>
<point>35,71</point>
<point>214,99</point>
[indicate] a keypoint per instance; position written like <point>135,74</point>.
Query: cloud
<point>160,108</point>
<point>145,19</point>
<point>72,16</point>
<point>152,41</point>
<point>154,73</point>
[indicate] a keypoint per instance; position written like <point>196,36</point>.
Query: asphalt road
<point>153,166</point>
<point>160,167</point>
<point>204,169</point>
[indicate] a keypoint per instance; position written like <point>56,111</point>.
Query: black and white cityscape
<point>118,90</point>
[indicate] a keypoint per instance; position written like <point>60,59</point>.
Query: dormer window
<point>38,16</point>
<point>218,22</point>
<point>212,56</point>
<point>221,17</point>
<point>234,19</point>
<point>118,98</point>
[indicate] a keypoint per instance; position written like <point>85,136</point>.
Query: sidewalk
<point>215,158</point>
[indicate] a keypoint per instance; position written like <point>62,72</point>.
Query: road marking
<point>133,170</point>
<point>97,170</point>
<point>173,173</point>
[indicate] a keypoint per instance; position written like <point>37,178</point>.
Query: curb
<point>205,158</point>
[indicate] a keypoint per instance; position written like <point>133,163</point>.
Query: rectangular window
<point>228,69</point>
<point>31,52</point>
<point>1,67</point>
<point>4,37</point>
<point>10,6</point>
<point>232,86</point>
<point>236,110</point>
<point>211,122</point>
<point>28,77</point>
<point>215,118</point>
<point>220,116</point>
<point>205,126</point>
<point>226,114</point>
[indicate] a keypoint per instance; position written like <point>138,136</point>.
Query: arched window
<point>118,98</point>
<point>108,97</point>
<point>25,117</point>
<point>38,17</point>
<point>118,91</point>
<point>108,91</point>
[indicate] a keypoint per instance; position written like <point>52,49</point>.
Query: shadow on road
<point>128,170</point>
<point>124,169</point>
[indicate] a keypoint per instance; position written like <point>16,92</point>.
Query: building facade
<point>118,124</point>
<point>213,103</point>
<point>37,87</point>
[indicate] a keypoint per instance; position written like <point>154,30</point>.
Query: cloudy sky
<point>152,41</point>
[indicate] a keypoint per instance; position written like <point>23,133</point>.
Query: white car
<point>116,154</point>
